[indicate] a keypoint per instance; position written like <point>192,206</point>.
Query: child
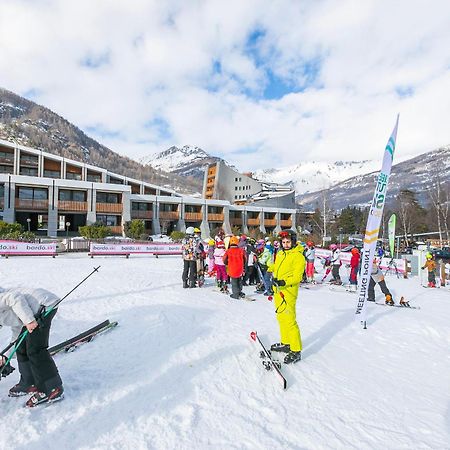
<point>377,276</point>
<point>430,265</point>
<point>211,248</point>
<point>354,265</point>
<point>327,267</point>
<point>221,273</point>
<point>335,264</point>
<point>310,254</point>
<point>235,258</point>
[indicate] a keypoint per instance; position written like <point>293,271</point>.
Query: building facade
<point>53,196</point>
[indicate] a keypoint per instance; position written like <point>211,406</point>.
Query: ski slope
<point>180,371</point>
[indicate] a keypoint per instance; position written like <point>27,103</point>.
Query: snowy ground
<point>180,371</point>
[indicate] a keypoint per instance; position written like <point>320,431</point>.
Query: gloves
<point>278,283</point>
<point>6,369</point>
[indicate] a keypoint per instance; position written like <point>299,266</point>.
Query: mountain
<point>187,161</point>
<point>30,124</point>
<point>417,174</point>
<point>311,176</point>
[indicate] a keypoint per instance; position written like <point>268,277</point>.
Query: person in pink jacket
<point>221,272</point>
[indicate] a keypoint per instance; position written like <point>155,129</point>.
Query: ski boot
<point>293,357</point>
<point>185,284</point>
<point>19,390</point>
<point>279,347</point>
<point>389,300</point>
<point>38,398</point>
<point>404,303</point>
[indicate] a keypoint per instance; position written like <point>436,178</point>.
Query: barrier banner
<point>130,249</point>
<point>16,248</point>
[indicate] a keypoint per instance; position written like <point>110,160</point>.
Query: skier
<point>201,256</point>
<point>354,267</point>
<point>265,260</point>
<point>335,264</point>
<point>430,265</point>
<point>327,267</point>
<point>23,309</point>
<point>310,254</point>
<point>221,272</point>
<point>376,276</point>
<point>211,247</point>
<point>234,258</point>
<point>190,255</point>
<point>287,272</point>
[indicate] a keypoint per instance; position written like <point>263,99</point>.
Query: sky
<point>260,83</point>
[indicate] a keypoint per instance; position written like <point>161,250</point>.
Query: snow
<point>180,372</point>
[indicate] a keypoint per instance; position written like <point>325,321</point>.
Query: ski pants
<point>252,275</point>
<point>189,271</point>
<point>310,270</point>
<point>36,366</point>
<point>221,273</point>
<point>432,277</point>
<point>354,275</point>
<point>236,286</point>
<point>287,320</point>
<point>335,272</point>
<point>371,290</point>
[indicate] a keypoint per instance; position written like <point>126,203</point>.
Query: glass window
<point>64,195</point>
<point>79,196</point>
<point>40,194</point>
<point>25,193</point>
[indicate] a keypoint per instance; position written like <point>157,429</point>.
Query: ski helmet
<point>211,242</point>
<point>354,251</point>
<point>197,230</point>
<point>333,247</point>
<point>234,240</point>
<point>190,230</point>
<point>429,256</point>
<point>310,244</point>
<point>220,244</point>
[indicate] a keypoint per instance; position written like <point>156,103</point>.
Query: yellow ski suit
<point>289,266</point>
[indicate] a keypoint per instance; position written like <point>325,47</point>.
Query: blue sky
<point>286,81</point>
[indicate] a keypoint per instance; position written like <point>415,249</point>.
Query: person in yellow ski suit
<point>287,272</point>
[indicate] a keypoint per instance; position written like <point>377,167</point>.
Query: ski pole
<point>24,333</point>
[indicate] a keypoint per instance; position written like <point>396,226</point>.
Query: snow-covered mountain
<point>310,176</point>
<point>188,161</point>
<point>418,174</point>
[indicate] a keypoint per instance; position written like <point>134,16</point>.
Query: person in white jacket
<point>25,309</point>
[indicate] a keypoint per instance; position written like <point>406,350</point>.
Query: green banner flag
<point>391,233</point>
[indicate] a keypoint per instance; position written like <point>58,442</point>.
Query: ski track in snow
<point>180,372</point>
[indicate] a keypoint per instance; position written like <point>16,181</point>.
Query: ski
<point>86,336</point>
<point>341,288</point>
<point>268,362</point>
<point>403,304</point>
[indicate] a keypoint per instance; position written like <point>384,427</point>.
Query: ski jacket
<point>218,256</point>
<point>266,257</point>
<point>336,258</point>
<point>211,251</point>
<point>190,248</point>
<point>354,261</point>
<point>430,265</point>
<point>19,306</point>
<point>310,254</point>
<point>376,274</point>
<point>234,258</point>
<point>289,267</point>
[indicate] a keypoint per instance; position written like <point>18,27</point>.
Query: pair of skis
<point>268,362</point>
<point>87,336</point>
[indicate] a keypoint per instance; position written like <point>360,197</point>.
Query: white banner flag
<point>373,226</point>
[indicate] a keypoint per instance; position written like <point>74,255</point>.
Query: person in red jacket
<point>234,259</point>
<point>354,267</point>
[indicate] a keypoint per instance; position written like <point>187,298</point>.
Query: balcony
<point>73,176</point>
<point>253,222</point>
<point>35,205</point>
<point>215,218</point>
<point>193,216</point>
<point>7,160</point>
<point>235,221</point>
<point>270,222</point>
<point>169,215</point>
<point>25,162</point>
<point>141,214</point>
<point>116,208</point>
<point>64,205</point>
<point>286,223</point>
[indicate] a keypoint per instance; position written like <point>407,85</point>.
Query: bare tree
<point>439,196</point>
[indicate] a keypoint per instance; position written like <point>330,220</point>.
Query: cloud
<point>260,83</point>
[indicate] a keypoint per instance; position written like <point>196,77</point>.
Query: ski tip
<point>253,335</point>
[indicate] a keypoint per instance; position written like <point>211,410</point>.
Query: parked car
<point>441,253</point>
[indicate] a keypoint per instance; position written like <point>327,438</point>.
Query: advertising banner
<point>131,249</point>
<point>15,248</point>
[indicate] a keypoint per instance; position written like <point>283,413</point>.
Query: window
<point>109,221</point>
<point>72,196</point>
<point>107,197</point>
<point>28,171</point>
<point>26,193</point>
<point>235,188</point>
<point>138,206</point>
<point>42,221</point>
